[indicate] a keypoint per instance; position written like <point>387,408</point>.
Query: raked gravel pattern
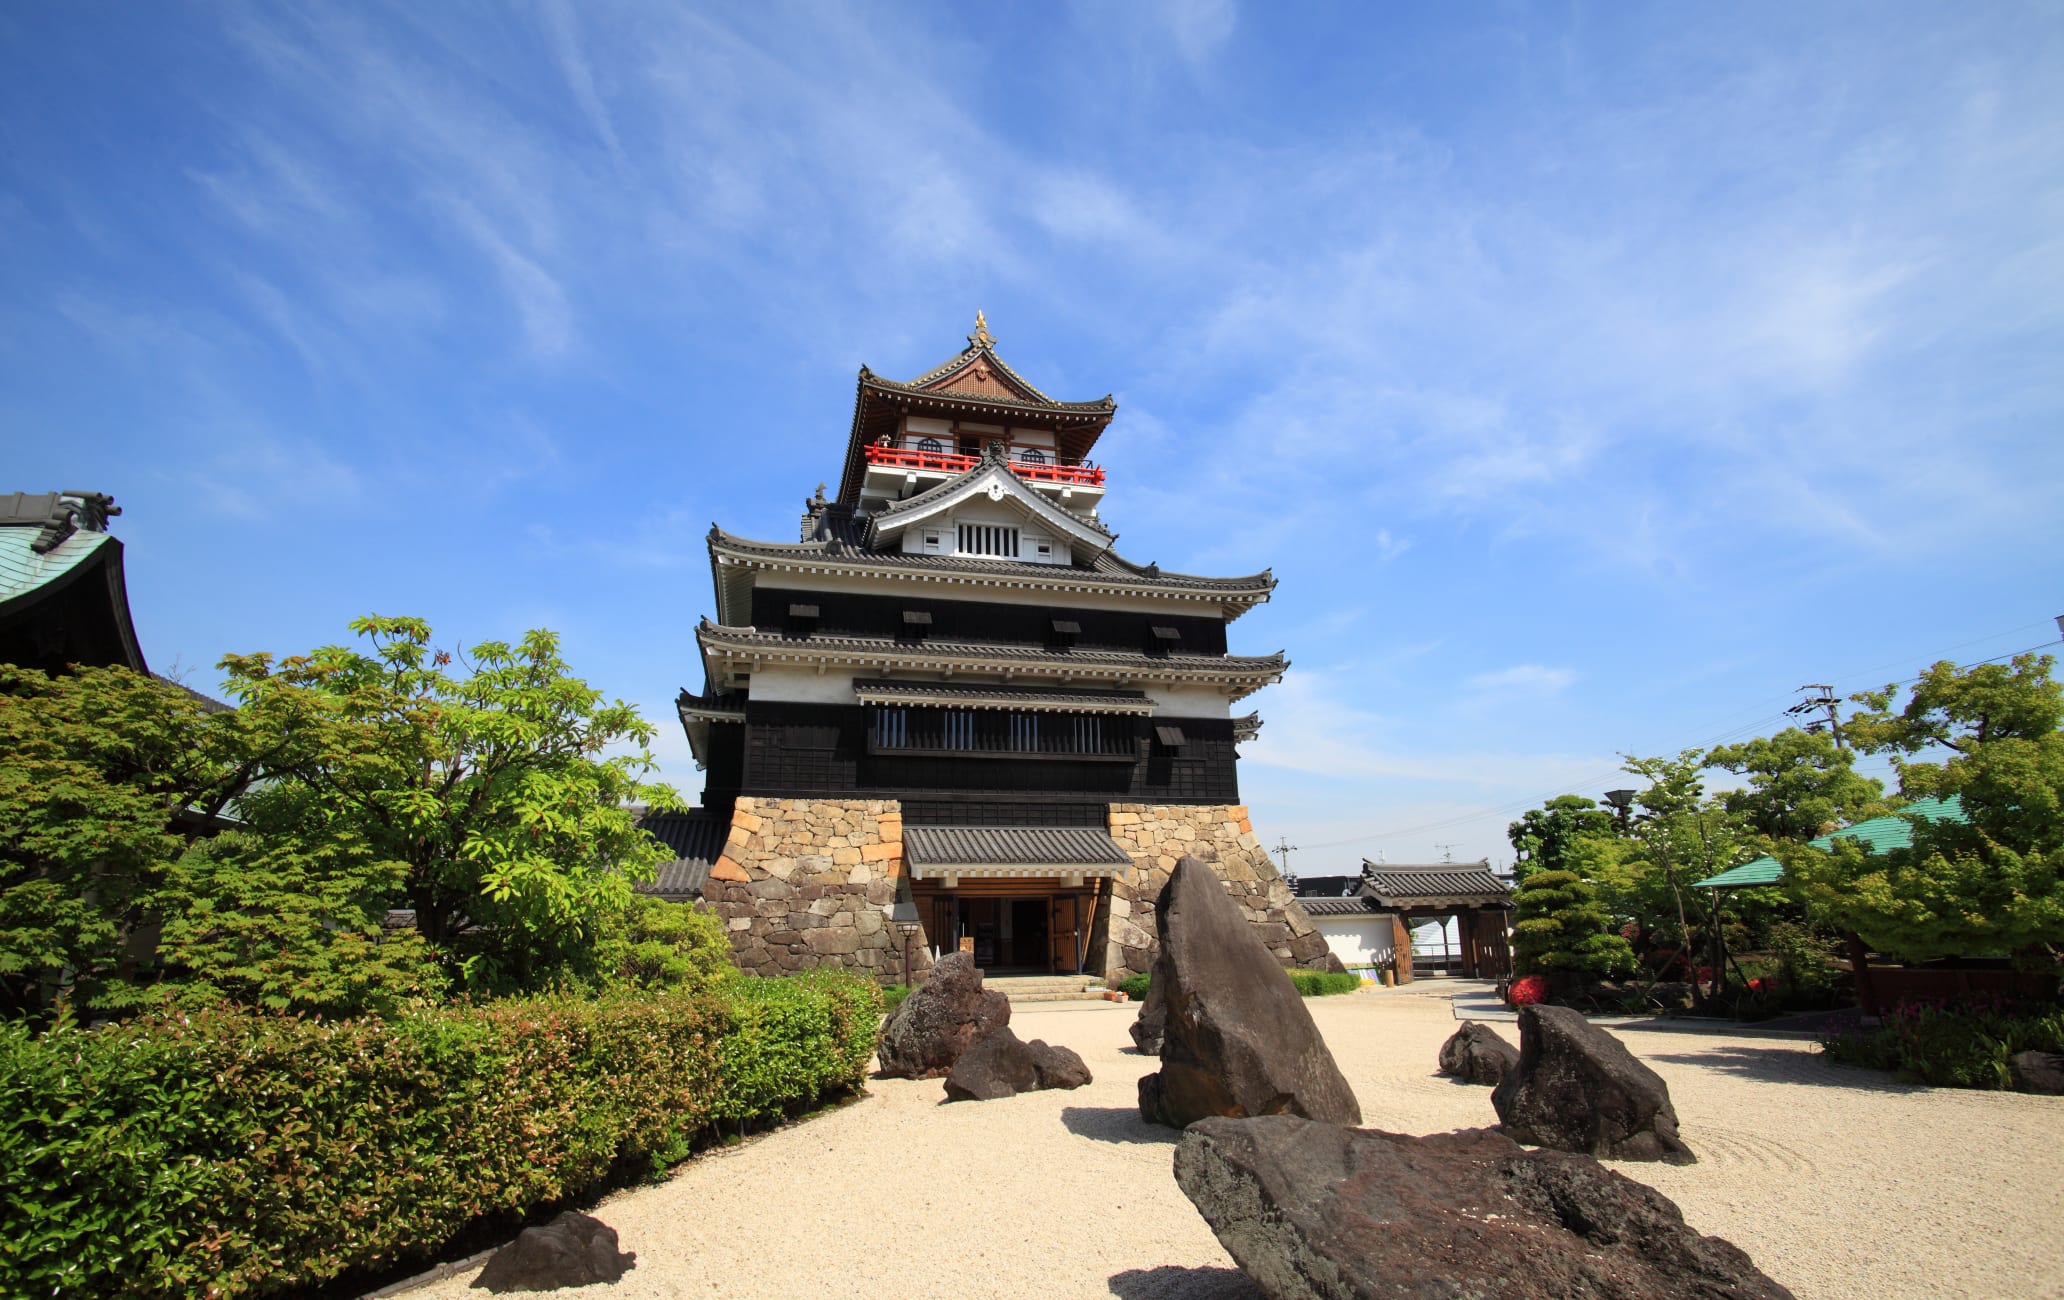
<point>1838,1182</point>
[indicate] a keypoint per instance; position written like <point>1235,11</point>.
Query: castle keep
<point>952,700</point>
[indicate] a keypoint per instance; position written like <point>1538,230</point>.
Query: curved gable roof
<point>891,521</point>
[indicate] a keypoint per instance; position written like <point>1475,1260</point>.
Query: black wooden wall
<point>848,614</point>
<point>795,750</point>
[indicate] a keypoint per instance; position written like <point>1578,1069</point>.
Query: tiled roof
<point>1337,906</point>
<point>1246,727</point>
<point>23,570</point>
<point>1876,835</point>
<point>1252,672</point>
<point>1327,886</point>
<point>1010,846</point>
<point>696,838</point>
<point>1002,697</point>
<point>1393,884</point>
<point>1108,571</point>
<point>1066,520</point>
<point>208,703</point>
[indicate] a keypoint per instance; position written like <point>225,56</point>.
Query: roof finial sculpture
<point>980,338</point>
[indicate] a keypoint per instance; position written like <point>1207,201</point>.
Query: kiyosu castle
<point>952,700</point>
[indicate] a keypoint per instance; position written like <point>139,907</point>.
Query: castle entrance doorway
<point>1033,927</point>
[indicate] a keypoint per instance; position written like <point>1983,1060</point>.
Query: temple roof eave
<point>1238,675</point>
<point>1113,573</point>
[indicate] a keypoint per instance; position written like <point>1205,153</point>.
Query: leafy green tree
<point>267,922</point>
<point>1800,785</point>
<point>1544,837</point>
<point>105,776</point>
<point>1560,927</point>
<point>652,944</point>
<point>1991,886</point>
<point>499,781</point>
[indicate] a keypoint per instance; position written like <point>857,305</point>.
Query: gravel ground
<point>1837,1182</point>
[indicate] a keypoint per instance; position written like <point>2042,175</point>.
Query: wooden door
<point>1064,931</point>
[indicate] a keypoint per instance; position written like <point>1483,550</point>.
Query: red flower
<point>1526,990</point>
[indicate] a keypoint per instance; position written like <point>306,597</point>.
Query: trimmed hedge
<point>235,1154</point>
<point>1310,983</point>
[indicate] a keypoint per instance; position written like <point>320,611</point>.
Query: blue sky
<point>1590,376</point>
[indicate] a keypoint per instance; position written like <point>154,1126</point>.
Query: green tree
<point>105,776</point>
<point>268,922</point>
<point>1544,837</point>
<point>1990,736</point>
<point>1560,927</point>
<point>1800,785</point>
<point>652,944</point>
<point>499,781</point>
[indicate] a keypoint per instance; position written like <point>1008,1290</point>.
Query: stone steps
<point>1046,988</point>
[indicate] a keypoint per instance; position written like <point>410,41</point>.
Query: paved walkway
<point>1840,1183</point>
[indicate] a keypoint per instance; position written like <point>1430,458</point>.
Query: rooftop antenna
<point>1447,852</point>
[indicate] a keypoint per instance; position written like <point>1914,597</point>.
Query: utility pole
<point>1284,848</point>
<point>1822,698</point>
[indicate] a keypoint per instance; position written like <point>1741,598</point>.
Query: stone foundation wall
<point>804,883</point>
<point>1157,836</point>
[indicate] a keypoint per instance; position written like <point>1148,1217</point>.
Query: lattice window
<point>989,539</point>
<point>930,444</point>
<point>892,728</point>
<point>1032,456</point>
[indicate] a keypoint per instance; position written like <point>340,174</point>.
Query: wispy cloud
<point>1522,679</point>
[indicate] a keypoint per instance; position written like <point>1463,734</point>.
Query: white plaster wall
<point>802,685</point>
<point>1359,942</point>
<point>871,584</point>
<point>1190,701</point>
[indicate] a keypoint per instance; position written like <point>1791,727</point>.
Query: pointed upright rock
<point>1237,1039</point>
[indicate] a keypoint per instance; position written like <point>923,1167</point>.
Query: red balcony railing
<point>954,462</point>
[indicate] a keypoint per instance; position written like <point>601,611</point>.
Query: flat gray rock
<point>571,1250</point>
<point>1323,1212</point>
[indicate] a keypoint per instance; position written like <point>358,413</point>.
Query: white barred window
<point>989,539</point>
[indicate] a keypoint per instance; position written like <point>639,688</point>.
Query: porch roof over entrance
<point>953,852</point>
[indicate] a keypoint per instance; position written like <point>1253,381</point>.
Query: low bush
<point>228,1153</point>
<point>1954,1044</point>
<point>892,997</point>
<point>1324,983</point>
<point>1310,983</point>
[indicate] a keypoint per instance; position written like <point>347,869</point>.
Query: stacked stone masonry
<point>1158,836</point>
<point>804,883</point>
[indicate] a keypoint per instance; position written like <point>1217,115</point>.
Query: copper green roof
<point>1876,835</point>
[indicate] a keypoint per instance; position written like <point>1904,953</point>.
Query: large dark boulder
<point>943,1017</point>
<point>1151,1022</point>
<point>1474,1054</point>
<point>2037,1072</point>
<point>1058,1067</point>
<point>1002,1066</point>
<point>1318,1210</point>
<point>1577,1088</point>
<point>571,1250</point>
<point>1237,1038</point>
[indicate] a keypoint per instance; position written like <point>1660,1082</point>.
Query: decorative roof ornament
<point>981,337</point>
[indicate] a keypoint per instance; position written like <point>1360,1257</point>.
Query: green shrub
<point>892,997</point>
<point>1964,1044</point>
<point>1324,983</point>
<point>1310,984</point>
<point>1559,925</point>
<point>236,1154</point>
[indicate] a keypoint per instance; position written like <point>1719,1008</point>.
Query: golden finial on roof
<point>980,338</point>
